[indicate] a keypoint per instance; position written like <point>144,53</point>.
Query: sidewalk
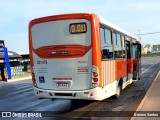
<point>150,103</point>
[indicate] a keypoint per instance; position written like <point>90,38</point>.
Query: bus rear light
<point>95,79</point>
<point>33,79</point>
<point>94,84</point>
<point>33,74</point>
<point>95,76</point>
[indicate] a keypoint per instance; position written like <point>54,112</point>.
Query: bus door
<point>136,50</point>
<point>128,57</point>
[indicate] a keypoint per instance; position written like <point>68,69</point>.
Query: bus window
<point>102,36</point>
<point>118,52</point>
<point>123,46</point>
<point>118,40</point>
<point>106,46</point>
<point>128,47</point>
<point>123,42</point>
<point>114,39</point>
<point>108,37</point>
<point>134,50</point>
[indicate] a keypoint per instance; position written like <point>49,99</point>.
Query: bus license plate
<point>62,84</point>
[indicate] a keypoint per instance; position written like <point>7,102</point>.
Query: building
<point>19,62</point>
<point>25,61</point>
<point>156,48</point>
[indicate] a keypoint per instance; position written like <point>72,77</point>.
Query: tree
<point>148,47</point>
<point>155,48</point>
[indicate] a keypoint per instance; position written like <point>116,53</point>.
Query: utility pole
<point>139,36</point>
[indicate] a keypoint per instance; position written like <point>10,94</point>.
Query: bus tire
<point>118,92</point>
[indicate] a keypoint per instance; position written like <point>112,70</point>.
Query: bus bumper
<point>91,94</point>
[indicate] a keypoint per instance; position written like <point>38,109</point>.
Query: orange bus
<point>81,56</point>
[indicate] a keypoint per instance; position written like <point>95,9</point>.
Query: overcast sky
<point>133,16</point>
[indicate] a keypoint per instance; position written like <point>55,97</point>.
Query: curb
<point>14,80</point>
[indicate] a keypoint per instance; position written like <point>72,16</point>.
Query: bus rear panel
<point>62,58</point>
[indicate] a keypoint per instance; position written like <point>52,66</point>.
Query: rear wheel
<point>118,92</point>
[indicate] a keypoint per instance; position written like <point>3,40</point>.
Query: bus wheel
<point>118,92</point>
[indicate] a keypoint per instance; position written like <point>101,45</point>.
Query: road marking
<point>149,67</point>
<point>156,77</point>
<point>143,68</point>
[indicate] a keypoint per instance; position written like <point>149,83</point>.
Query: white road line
<point>143,68</point>
<point>157,76</point>
<point>149,67</point>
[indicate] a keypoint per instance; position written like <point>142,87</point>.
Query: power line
<point>147,33</point>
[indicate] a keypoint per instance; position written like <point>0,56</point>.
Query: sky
<point>134,16</point>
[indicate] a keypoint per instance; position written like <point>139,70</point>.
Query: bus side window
<point>114,36</point>
<point>123,46</point>
<point>102,37</point>
<point>134,50</point>
<point>108,37</point>
<point>109,43</point>
<point>118,52</point>
<point>105,54</point>
<point>106,44</point>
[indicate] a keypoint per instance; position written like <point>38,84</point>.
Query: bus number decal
<point>75,28</point>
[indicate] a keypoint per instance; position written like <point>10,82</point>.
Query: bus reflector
<point>86,92</point>
<point>40,91</point>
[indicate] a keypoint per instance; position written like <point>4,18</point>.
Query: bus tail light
<point>95,76</point>
<point>33,78</point>
<point>95,79</point>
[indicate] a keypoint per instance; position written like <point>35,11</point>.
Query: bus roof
<point>102,20</point>
<point>109,24</point>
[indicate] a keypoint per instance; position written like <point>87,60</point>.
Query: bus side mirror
<point>105,54</point>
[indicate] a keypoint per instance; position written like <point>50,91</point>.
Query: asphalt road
<point>18,96</point>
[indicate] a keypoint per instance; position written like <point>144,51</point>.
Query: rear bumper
<point>91,94</point>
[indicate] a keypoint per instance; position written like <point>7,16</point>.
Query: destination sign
<point>75,28</point>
